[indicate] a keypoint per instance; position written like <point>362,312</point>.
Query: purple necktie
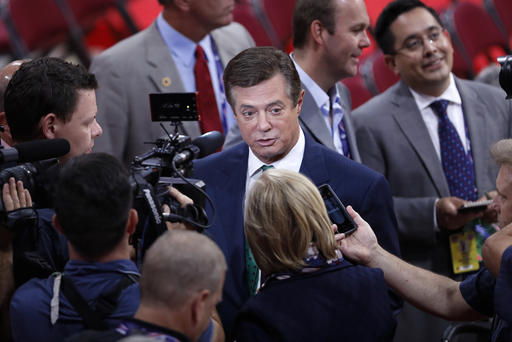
<point>336,108</point>
<point>457,165</point>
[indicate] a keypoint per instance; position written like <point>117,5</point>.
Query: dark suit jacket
<point>225,175</point>
<point>393,140</point>
<point>352,305</point>
<point>312,121</point>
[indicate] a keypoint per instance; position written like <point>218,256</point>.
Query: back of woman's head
<point>284,213</point>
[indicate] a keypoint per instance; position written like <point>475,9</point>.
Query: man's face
<point>213,13</point>
<point>503,201</point>
<point>423,52</point>
<point>343,48</point>
<point>267,119</point>
<point>82,129</point>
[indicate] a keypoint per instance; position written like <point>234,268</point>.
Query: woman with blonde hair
<point>308,292</point>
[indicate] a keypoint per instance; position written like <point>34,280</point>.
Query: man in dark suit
<point>402,134</point>
<point>161,59</point>
<point>328,38</point>
<point>264,90</point>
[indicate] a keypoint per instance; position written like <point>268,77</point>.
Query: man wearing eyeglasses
<point>430,135</point>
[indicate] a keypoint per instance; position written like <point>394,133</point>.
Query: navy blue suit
<point>225,176</point>
<point>340,302</point>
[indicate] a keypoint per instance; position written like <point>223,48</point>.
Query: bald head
<point>6,74</point>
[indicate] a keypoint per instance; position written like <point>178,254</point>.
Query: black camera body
<point>169,163</point>
<point>505,76</point>
<point>38,178</point>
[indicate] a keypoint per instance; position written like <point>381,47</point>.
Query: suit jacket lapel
<point>312,121</point>
<point>163,72</point>
<point>347,121</point>
<point>161,63</point>
<point>408,118</point>
<point>474,115</point>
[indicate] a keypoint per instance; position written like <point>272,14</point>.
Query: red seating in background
<point>244,13</point>
<point>501,12</point>
<point>378,77</point>
<point>29,29</point>
<point>358,90</point>
<point>280,14</point>
<point>473,34</point>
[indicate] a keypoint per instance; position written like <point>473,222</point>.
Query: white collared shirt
<point>455,114</point>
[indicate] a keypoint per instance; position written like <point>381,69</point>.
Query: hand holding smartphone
<point>336,211</point>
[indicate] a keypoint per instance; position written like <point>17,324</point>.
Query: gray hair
<point>178,265</point>
<point>502,151</point>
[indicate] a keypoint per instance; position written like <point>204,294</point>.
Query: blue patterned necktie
<point>251,268</point>
<point>457,166</point>
<point>336,108</point>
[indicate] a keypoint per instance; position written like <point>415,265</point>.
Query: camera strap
<point>105,304</point>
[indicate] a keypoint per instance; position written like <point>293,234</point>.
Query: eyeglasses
<point>415,44</point>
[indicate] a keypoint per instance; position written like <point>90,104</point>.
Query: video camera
<point>169,163</point>
<point>506,74</point>
<point>38,169</point>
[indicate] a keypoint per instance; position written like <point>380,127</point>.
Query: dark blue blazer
<point>225,174</point>
<point>340,302</point>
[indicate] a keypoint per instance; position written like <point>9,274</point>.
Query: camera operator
<point>48,98</point>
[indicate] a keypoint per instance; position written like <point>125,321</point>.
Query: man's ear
<point>184,5</point>
<point>131,224</point>
<point>48,125</point>
<point>56,223</point>
<point>300,101</point>
<point>391,63</point>
<point>199,305</point>
<point>316,30</point>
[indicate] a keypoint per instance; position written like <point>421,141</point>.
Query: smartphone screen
<point>336,211</point>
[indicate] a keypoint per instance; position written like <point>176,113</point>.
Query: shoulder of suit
<point>233,28</point>
<point>375,105</point>
<point>126,50</point>
<point>232,153</point>
<point>482,89</point>
<point>131,43</point>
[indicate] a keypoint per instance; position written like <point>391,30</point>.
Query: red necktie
<point>209,119</point>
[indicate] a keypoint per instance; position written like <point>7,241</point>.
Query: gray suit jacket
<point>312,122</point>
<point>393,140</point>
<point>135,67</point>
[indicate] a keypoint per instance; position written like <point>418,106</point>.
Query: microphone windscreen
<point>41,149</point>
<point>208,143</point>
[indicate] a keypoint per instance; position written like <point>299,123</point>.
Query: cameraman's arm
<point>14,196</point>
<point>183,200</point>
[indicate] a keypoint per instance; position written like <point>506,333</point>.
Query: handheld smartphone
<point>474,206</point>
<point>336,211</point>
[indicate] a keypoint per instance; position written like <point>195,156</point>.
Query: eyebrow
<point>277,102</point>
